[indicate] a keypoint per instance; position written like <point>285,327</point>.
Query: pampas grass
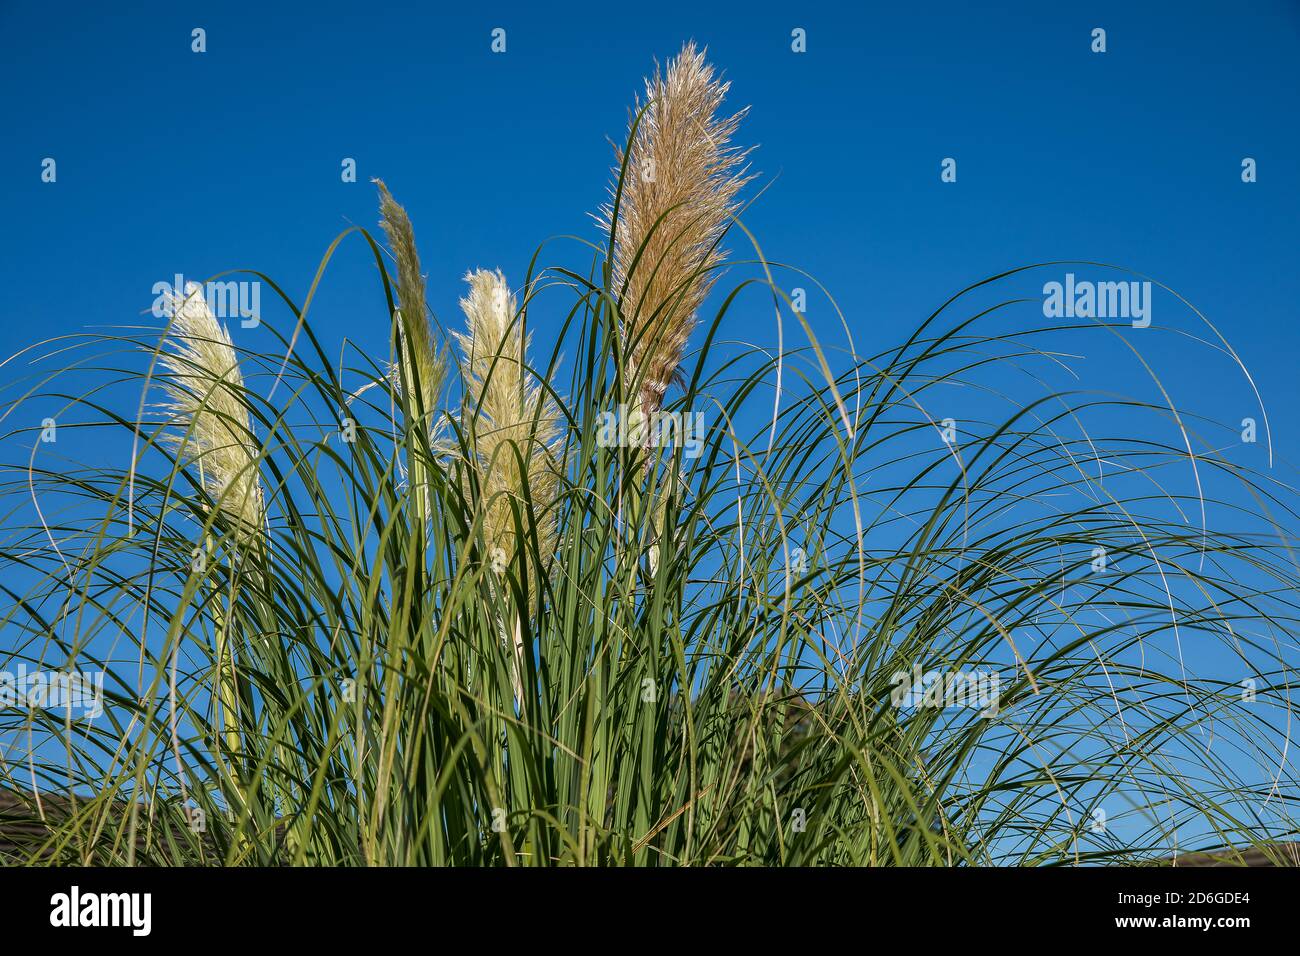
<point>680,186</point>
<point>437,643</point>
<point>214,431</point>
<point>421,368</point>
<point>513,437</point>
<point>512,425</point>
<point>206,399</point>
<point>422,365</point>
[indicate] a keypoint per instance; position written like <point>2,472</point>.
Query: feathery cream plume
<point>679,194</point>
<point>207,399</point>
<point>509,417</point>
<point>510,422</point>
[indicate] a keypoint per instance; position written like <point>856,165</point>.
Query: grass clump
<point>452,622</point>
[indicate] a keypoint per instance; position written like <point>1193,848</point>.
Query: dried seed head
<point>421,359</point>
<point>679,194</point>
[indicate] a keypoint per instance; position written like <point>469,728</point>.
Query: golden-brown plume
<point>681,170</point>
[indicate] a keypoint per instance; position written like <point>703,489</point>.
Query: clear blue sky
<point>169,160</point>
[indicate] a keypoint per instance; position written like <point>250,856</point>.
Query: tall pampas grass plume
<point>421,366</point>
<point>514,441</point>
<point>422,362</point>
<point>510,420</point>
<point>678,196</point>
<point>210,414</point>
<point>213,429</point>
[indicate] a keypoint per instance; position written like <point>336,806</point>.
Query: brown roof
<point>1268,854</point>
